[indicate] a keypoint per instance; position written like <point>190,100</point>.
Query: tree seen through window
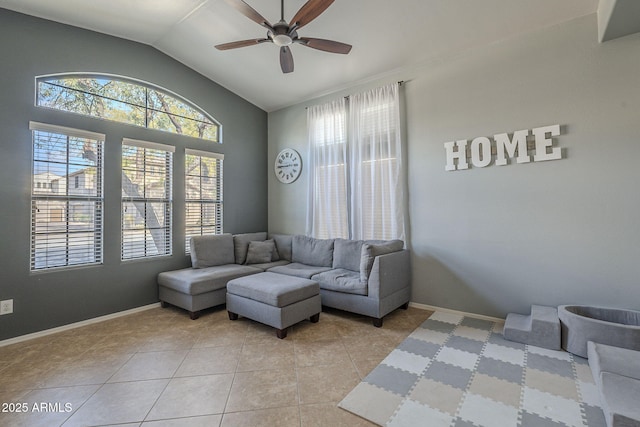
<point>125,101</point>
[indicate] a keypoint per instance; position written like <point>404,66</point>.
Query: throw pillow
<point>241,244</point>
<point>260,252</point>
<point>347,254</point>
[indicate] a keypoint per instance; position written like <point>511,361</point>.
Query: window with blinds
<point>66,197</point>
<point>203,194</point>
<point>376,171</point>
<point>356,159</point>
<point>329,183</point>
<point>146,199</point>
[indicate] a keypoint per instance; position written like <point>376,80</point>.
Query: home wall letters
<point>482,150</point>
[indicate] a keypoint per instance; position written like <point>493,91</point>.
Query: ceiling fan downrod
<point>281,35</point>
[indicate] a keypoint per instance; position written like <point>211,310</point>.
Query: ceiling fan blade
<point>249,12</point>
<point>325,45</point>
<point>286,59</point>
<point>241,43</point>
<point>310,11</point>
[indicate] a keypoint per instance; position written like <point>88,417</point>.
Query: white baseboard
<point>150,306</point>
<point>448,310</point>
<point>76,325</point>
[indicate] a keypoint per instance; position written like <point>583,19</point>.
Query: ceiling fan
<point>283,35</point>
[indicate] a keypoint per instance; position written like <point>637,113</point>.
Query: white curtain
<point>376,172</point>
<point>327,215</point>
<point>356,178</point>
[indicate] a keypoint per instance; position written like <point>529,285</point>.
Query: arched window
<point>127,101</point>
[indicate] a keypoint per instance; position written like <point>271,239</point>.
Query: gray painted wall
<point>498,239</point>
<point>30,47</point>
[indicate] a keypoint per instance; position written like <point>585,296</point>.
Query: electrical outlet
<point>6,306</point>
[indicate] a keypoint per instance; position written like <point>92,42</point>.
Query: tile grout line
<point>97,390</point>
<point>154,343</point>
<point>155,402</point>
<point>235,371</point>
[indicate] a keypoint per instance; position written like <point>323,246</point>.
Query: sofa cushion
<point>283,246</point>
<point>341,280</point>
<point>260,252</point>
<point>241,244</point>
<point>370,250</point>
<point>211,250</point>
<point>617,360</point>
<point>312,251</point>
<point>347,254</point>
<point>194,281</point>
<point>298,270</point>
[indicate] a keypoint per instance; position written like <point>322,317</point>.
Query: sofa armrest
<point>389,274</point>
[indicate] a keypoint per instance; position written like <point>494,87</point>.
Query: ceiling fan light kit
<point>284,35</point>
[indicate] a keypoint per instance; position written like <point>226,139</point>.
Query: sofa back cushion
<point>311,251</point>
<point>371,249</point>
<point>241,244</point>
<point>211,250</point>
<point>283,246</point>
<point>347,254</point>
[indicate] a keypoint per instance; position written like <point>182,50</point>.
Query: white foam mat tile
<point>412,414</point>
<point>406,361</point>
<point>505,354</point>
<point>457,357</point>
<point>487,413</point>
<point>589,393</point>
<point>371,402</point>
<point>554,407</point>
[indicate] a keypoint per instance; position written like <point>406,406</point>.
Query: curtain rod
<point>400,83</point>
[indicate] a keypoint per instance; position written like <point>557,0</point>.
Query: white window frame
<point>217,204</point>
<point>47,242</point>
<point>128,250</point>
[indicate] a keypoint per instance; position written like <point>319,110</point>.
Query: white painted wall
<point>498,239</point>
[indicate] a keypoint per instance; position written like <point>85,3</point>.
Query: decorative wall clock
<point>287,166</point>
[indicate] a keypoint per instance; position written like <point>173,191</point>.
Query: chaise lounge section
<point>616,372</point>
<point>370,278</point>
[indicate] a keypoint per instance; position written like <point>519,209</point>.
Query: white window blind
<point>66,197</point>
<point>203,194</point>
<point>146,199</point>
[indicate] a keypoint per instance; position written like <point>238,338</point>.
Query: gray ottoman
<point>274,299</point>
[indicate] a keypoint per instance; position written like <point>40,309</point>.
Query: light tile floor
<point>160,368</point>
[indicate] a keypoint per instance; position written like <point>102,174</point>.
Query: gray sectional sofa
<point>371,278</point>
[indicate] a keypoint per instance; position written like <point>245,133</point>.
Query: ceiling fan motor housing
<point>281,35</point>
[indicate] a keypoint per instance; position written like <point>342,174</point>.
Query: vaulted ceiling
<point>387,36</point>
